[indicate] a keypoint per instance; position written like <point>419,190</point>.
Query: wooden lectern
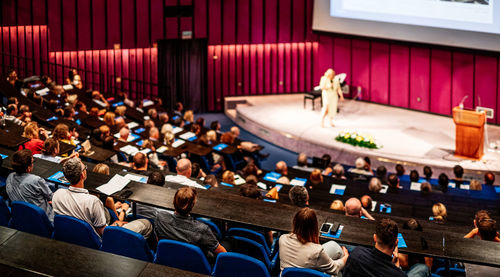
<point>469,140</point>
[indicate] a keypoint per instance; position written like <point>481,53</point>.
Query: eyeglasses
<point>84,167</point>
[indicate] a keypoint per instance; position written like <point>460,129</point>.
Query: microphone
<point>461,105</point>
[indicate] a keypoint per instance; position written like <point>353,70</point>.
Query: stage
<point>409,137</point>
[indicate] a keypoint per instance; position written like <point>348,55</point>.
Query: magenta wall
<point>426,78</point>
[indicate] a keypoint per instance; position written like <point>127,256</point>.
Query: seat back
<point>302,272</point>
<point>30,218</point>
<point>251,248</point>
<point>215,229</point>
<point>76,231</point>
<point>4,213</point>
<point>182,255</point>
<point>250,234</point>
<point>121,241</point>
<point>235,264</point>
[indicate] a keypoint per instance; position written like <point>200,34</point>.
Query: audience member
<point>301,248</point>
<point>36,136</point>
<point>299,196</point>
<point>443,182</point>
<point>360,168</point>
<point>188,117</point>
<point>393,181</point>
<point>479,216</point>
<point>183,173</point>
<point>156,178</point>
<point>228,177</point>
<point>11,115</point>
<point>315,179</point>
<point>140,162</point>
<point>211,180</point>
<point>251,179</point>
<point>353,208</point>
<point>77,202</point>
<point>489,178</point>
<point>382,260</point>
<point>178,109</point>
<point>368,164</point>
<point>182,227</point>
<point>426,188</point>
<point>145,211</point>
<point>412,224</point>
<point>427,172</point>
<point>381,173</point>
<point>366,202</point>
<point>302,163</point>
<point>414,177</point>
<point>215,125</point>
<point>400,170</point>
<point>337,205</point>
<point>475,185</point>
<point>375,185</point>
<point>101,169</point>
<point>21,185</point>
<point>49,151</point>
<point>251,191</point>
<point>235,131</point>
<point>459,172</point>
<point>338,172</point>
<point>439,213</point>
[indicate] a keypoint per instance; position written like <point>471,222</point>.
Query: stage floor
<point>414,138</point>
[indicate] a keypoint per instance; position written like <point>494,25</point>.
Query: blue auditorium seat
<point>234,264</point>
<point>76,231</point>
<point>215,229</point>
<point>30,218</point>
<point>251,234</point>
<point>182,255</point>
<point>121,241</point>
<point>253,249</point>
<point>4,213</point>
<point>302,272</point>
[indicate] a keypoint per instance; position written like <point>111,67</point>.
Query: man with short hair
<point>302,163</point>
<point>11,115</point>
<point>183,174</point>
<point>124,133</point>
<point>353,208</point>
<point>140,162</point>
<point>360,167</point>
<point>299,196</point>
<point>77,202</point>
<point>366,202</point>
<point>375,185</point>
<point>120,123</point>
<point>235,131</point>
<point>21,185</point>
<point>145,211</point>
<point>383,259</point>
<point>181,226</point>
<point>489,178</point>
<point>443,182</point>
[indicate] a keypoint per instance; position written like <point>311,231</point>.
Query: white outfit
<point>330,96</point>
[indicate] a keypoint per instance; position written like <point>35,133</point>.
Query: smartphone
<point>325,228</point>
<point>335,228</point>
<point>431,218</point>
<point>279,186</point>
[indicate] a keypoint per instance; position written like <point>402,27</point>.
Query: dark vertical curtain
<point>182,73</point>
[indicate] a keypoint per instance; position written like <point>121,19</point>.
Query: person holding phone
<point>382,260</point>
<point>301,248</point>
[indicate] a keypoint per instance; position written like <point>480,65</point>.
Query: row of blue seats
<point>29,218</point>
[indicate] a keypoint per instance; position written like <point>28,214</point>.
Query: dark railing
<point>137,90</point>
<point>24,66</point>
<point>91,79</point>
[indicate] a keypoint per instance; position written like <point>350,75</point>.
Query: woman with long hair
<point>301,248</point>
<point>330,94</point>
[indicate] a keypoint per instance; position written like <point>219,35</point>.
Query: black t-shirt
<point>370,263</point>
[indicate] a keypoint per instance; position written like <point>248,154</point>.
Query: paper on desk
<point>452,185</point>
<point>161,149</point>
<point>374,205</point>
<point>100,103</point>
<point>129,150</point>
<point>68,87</point>
<point>238,180</point>
<point>187,135</point>
<point>177,143</point>
<point>384,189</point>
<point>117,183</point>
<point>464,186</point>
<point>43,92</point>
<point>145,151</point>
<point>177,130</point>
<point>132,125</point>
<point>298,182</point>
<point>147,103</point>
<point>137,178</point>
<point>262,185</point>
<point>415,186</point>
<point>337,189</point>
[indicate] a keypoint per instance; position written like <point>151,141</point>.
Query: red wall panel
<point>440,100</point>
<point>200,18</point>
<point>243,24</point>
<point>39,14</point>
<point>257,18</point>
<point>113,22</point>
<point>54,22</point>
<point>298,20</point>
<point>361,67</point>
<point>127,23</point>
<point>156,20</point>
<point>271,20</point>
<point>210,78</point>
<point>23,12</point>
<point>215,22</point>
<point>142,17</point>
<point>399,68</point>
<point>419,78</point>
<point>462,79</point>
<point>379,77</point>
<point>485,82</point>
<point>228,21</point>
<point>84,25</point>
<point>69,29</point>
<point>98,21</point>
<point>285,21</point>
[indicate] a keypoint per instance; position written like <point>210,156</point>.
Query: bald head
<point>235,131</point>
<point>281,168</point>
<point>184,167</point>
<point>353,207</point>
<point>154,133</point>
<point>124,133</point>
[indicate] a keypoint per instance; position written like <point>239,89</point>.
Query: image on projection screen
<point>467,15</point>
